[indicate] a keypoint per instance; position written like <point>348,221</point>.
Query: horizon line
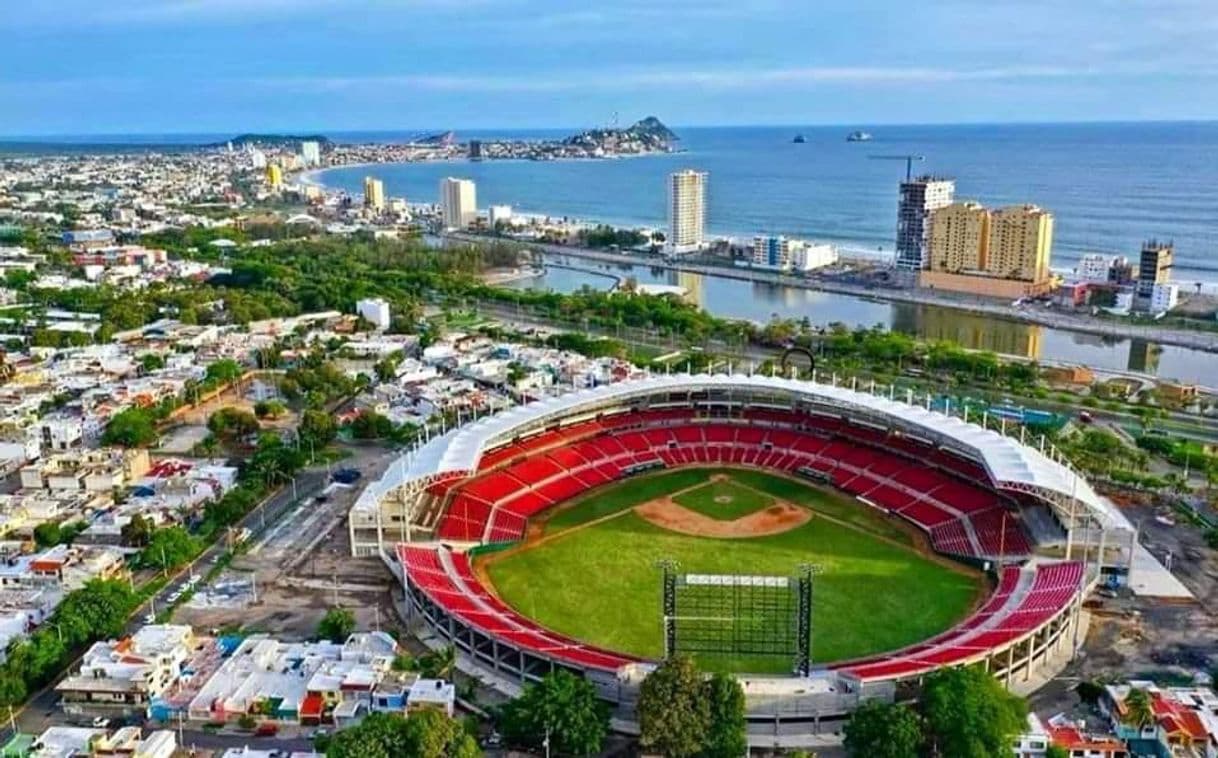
<point>321,132</point>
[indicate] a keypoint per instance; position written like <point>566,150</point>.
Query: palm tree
<point>1138,709</point>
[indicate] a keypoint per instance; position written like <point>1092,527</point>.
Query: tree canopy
<point>133,427</point>
<point>424,734</point>
<point>337,625</point>
<point>674,711</point>
<point>969,714</point>
<point>563,707</point>
<point>884,730</point>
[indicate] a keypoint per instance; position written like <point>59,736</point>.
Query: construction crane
<point>909,161</point>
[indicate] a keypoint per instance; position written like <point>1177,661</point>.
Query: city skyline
<point>185,66</point>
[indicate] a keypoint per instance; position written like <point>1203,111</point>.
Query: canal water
<point>732,298</point>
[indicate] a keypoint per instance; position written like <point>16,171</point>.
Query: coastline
<point>852,249</point>
<point>1195,340</point>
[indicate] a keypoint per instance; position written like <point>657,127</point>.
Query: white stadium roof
<point>1012,464</point>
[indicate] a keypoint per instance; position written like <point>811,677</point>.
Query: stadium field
<point>723,499</point>
<point>593,571</point>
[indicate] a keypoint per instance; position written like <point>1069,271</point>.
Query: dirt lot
<point>1167,641</point>
<point>302,567</point>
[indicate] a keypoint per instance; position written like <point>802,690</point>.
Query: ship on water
<point>858,137</point>
<point>799,139</point>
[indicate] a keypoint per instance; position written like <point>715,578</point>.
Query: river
<point>759,302</point>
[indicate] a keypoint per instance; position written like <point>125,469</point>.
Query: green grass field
<point>723,500</point>
<point>601,583</point>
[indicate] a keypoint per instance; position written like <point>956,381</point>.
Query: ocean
<point>1109,186</point>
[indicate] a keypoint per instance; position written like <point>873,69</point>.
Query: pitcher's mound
<point>776,519</point>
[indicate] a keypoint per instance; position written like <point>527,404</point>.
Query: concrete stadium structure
<point>1014,510</point>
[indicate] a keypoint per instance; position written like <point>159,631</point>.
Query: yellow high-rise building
<point>374,193</point>
<point>274,176</point>
<point>1002,253</point>
<point>959,238</point>
<point>1021,240</point>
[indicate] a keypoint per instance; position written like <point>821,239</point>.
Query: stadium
<point>825,544</point>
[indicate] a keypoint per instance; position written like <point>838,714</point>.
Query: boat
<point>858,137</point>
<point>799,139</point>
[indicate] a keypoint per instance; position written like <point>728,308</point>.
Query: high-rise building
<point>274,176</point>
<point>310,152</point>
<point>1021,243</point>
<point>475,150</point>
<point>374,193</point>
<point>458,202</point>
<point>919,198</point>
<point>1154,267</point>
<point>686,211</point>
<point>959,238</point>
<point>1001,253</point>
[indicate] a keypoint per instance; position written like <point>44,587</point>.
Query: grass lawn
<point>601,583</point>
<point>723,500</point>
<point>624,495</point>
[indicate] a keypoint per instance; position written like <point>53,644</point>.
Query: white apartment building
<point>310,153</point>
<point>686,211</point>
<point>785,254</point>
<point>374,310</point>
<point>1094,268</point>
<point>458,202</point>
<point>1164,297</point>
<point>499,213</point>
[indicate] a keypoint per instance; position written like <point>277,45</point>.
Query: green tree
<point>438,663</point>
<point>337,625</point>
<point>232,424</point>
<point>317,428</point>
<point>1056,751</point>
<point>169,548</point>
<point>134,427</point>
<point>968,714</point>
<point>138,531</point>
<point>562,706</point>
<point>224,371</point>
<point>97,610</point>
<point>370,425</point>
<point>674,713</point>
<point>425,734</point>
<point>884,730</point>
<point>1139,711</point>
<point>727,736</point>
<point>151,362</point>
<point>12,688</point>
<point>271,409</point>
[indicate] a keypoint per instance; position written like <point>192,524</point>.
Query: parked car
<point>347,475</point>
<point>266,729</point>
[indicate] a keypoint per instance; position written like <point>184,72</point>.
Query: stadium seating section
<point>946,496</point>
<point>447,579</point>
<point>1025,599</point>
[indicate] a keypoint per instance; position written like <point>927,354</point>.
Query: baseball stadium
<point>824,544</point>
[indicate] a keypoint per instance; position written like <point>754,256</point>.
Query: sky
<point>228,66</point>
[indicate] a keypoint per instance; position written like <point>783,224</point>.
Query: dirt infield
<point>778,518</point>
